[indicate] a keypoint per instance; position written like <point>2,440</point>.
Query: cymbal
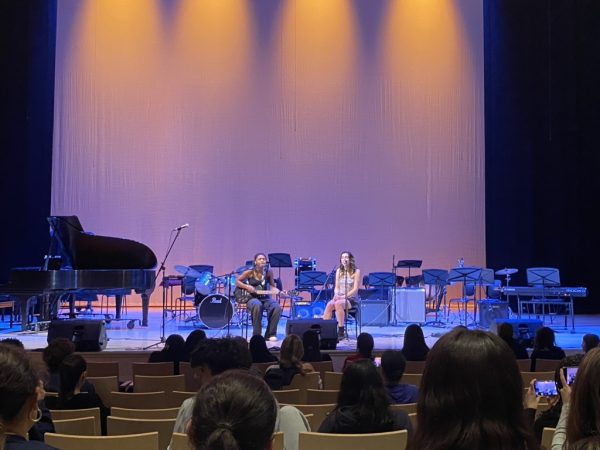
<point>188,271</point>
<point>506,271</point>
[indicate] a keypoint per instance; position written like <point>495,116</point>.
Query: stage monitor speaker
<point>523,329</point>
<point>87,335</point>
<point>308,310</point>
<point>491,310</point>
<point>374,313</point>
<point>410,305</point>
<point>327,330</point>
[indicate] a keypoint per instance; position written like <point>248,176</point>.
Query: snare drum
<point>205,284</point>
<point>215,311</point>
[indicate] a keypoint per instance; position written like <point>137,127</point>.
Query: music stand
<point>464,275</point>
<point>410,264</point>
<point>542,276</point>
<point>439,279</point>
<point>280,260</point>
<point>311,278</point>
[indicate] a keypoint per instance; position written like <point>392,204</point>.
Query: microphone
<point>181,227</point>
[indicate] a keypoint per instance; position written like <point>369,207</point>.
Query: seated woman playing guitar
<point>253,287</point>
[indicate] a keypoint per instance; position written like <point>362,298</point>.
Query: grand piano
<point>83,264</point>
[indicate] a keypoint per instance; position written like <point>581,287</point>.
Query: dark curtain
<point>542,118</point>
<point>28,36</point>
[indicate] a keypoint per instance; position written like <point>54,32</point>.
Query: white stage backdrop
<point>299,126</point>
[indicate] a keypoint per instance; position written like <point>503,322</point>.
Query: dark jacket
<point>18,443</point>
<point>346,421</point>
<point>402,393</point>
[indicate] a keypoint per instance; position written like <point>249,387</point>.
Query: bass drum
<point>215,311</point>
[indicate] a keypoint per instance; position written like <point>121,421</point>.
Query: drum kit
<point>214,296</point>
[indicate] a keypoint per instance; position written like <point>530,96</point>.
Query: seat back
<point>287,396</point>
<point>319,413</point>
<point>146,441</point>
<point>332,380</point>
<point>408,408</point>
<point>121,425</point>
<point>524,364</point>
<point>393,440</point>
<point>68,414</point>
<point>166,413</point>
<point>191,383</point>
<point>414,367</point>
<point>82,426</point>
<point>104,386</point>
<point>528,376</point>
<point>547,435</point>
<point>321,396</point>
<point>103,369</point>
<point>546,365</point>
<point>277,443</point>
<point>304,382</point>
<point>152,369</point>
<point>178,397</point>
<point>180,441</point>
<point>142,400</point>
<point>167,383</point>
<point>412,378</point>
<point>322,367</point>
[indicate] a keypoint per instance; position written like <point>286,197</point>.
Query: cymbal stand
<point>160,271</point>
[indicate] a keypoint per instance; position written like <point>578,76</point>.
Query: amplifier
<point>523,329</point>
<point>308,310</point>
<point>410,305</point>
<point>87,335</point>
<point>327,330</point>
<point>374,313</point>
<point>490,310</point>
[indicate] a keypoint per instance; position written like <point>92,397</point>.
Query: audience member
<point>20,391</point>
<point>549,418</point>
<point>579,422</point>
<point>234,410</point>
<point>364,349</point>
<point>53,355</point>
<point>215,356</point>
<point>471,396</point>
<point>72,377</point>
<point>589,342</point>
<point>191,342</point>
<point>259,351</point>
<point>363,405</point>
<point>173,351</point>
<point>506,332</point>
<point>544,346</point>
<point>393,365</point>
<point>312,347</point>
<point>415,348</point>
<point>13,341</point>
<point>290,363</point>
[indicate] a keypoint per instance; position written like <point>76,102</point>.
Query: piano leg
<point>118,305</point>
<point>145,303</point>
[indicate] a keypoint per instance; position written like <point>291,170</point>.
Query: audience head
<point>175,347</point>
<point>393,365</point>
<point>414,342</point>
<point>362,390</point>
<point>544,338</point>
<point>72,375</point>
<point>192,341</point>
<point>589,342</point>
<point>471,395</point>
<point>584,413</point>
<point>14,342</point>
<point>258,348</point>
<point>311,341</point>
<point>19,389</point>
<point>506,331</point>
<point>292,351</point>
<point>234,410</point>
<point>364,345</point>
<point>214,356</point>
<point>57,350</point>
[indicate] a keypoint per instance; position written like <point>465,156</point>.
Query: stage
<point>121,338</point>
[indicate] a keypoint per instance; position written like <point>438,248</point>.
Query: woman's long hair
<point>471,396</point>
<point>70,373</point>
<point>584,412</point>
<point>415,348</point>
<point>544,338</point>
<point>233,411</point>
<point>291,353</point>
<point>351,264</point>
<point>363,393</point>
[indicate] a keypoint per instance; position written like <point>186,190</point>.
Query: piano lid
<point>84,251</point>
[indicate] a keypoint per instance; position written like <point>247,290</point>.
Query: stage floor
<point>386,337</point>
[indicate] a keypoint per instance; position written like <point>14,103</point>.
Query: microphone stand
<point>325,285</point>
<point>164,299</point>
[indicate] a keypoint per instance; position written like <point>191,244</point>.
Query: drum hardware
<point>188,271</point>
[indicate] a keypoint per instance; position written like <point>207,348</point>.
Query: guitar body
<point>242,296</point>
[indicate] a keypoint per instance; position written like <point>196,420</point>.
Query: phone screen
<point>545,388</point>
<point>377,361</point>
<point>570,374</point>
